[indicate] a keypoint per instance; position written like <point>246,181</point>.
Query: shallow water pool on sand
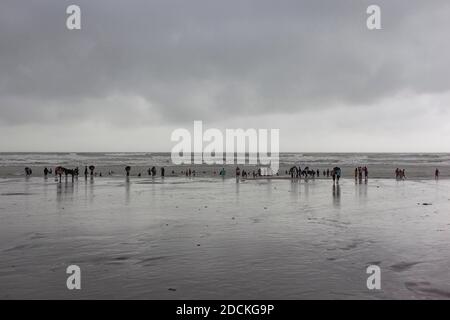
<point>206,238</point>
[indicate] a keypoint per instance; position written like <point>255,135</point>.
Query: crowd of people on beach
<point>400,174</point>
<point>360,171</point>
<point>295,172</point>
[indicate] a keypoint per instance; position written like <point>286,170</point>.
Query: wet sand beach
<point>208,238</point>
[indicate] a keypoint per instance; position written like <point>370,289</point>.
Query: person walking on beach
<point>162,171</point>
<point>366,173</point>
<point>222,173</point>
<point>291,171</point>
<point>85,172</point>
<point>356,173</point>
<point>336,174</point>
<point>154,171</point>
<point>45,172</point>
<point>58,173</point>
<point>436,174</point>
<point>328,173</point>
<point>127,169</point>
<point>238,172</point>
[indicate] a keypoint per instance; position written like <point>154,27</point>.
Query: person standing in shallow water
<point>127,169</point>
<point>162,171</point>
<point>436,174</point>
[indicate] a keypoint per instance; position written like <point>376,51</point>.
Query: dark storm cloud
<point>193,59</point>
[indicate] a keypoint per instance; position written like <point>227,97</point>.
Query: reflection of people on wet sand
<point>336,194</point>
<point>336,190</point>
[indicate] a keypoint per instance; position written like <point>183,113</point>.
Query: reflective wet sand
<point>212,238</point>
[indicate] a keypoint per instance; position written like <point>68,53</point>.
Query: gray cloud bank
<point>164,61</point>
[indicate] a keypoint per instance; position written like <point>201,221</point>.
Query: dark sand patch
<point>403,266</point>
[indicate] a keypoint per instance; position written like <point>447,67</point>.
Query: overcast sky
<point>139,69</point>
